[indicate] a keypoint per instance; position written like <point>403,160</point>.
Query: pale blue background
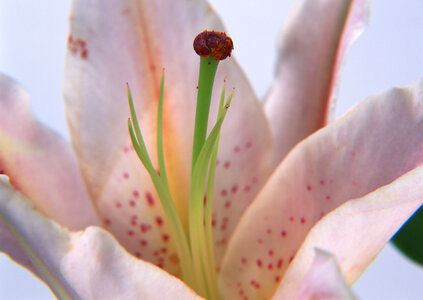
<point>390,53</point>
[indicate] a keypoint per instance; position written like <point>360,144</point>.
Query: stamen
<point>161,185</point>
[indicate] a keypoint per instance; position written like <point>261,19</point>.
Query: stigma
<point>214,43</point>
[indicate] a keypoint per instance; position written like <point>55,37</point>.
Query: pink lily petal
<point>84,265</point>
<point>357,230</point>
<point>39,162</point>
<point>323,280</point>
<point>10,246</point>
<point>312,48</point>
<point>114,42</point>
<point>378,141</point>
<point>244,159</point>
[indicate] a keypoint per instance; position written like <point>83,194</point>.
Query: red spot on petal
<point>125,149</point>
<point>322,182</point>
<point>149,198</point>
<point>143,243</point>
<point>248,145</point>
<point>303,220</point>
<point>308,187</point>
<point>243,260</point>
<point>259,263</point>
<point>328,197</point>
<point>138,254</point>
<point>260,241</point>
<point>77,46</point>
<point>255,284</point>
<point>163,250</point>
<point>126,175</point>
<point>159,221</point>
<point>247,188</point>
<point>270,266</point>
<point>277,278</point>
<point>130,233</point>
<point>165,238</point>
<point>107,222</point>
<point>223,192</point>
<point>118,205</point>
<point>283,233</point>
<point>268,231</point>
<point>237,149</point>
<point>227,164</point>
<point>221,242</point>
<point>280,263</point>
<point>227,204</point>
<point>270,252</point>
<point>291,219</point>
<point>145,227</point>
<point>135,193</point>
<point>234,189</point>
<point>214,223</point>
<point>291,259</point>
<point>132,203</point>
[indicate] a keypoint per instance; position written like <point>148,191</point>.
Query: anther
<point>218,44</point>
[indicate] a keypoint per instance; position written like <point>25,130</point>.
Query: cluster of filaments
<point>194,244</point>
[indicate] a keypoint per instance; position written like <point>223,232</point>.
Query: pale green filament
<point>202,253</point>
<point>160,183</point>
<point>208,210</point>
<point>196,252</point>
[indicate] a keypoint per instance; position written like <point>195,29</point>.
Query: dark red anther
<point>218,43</point>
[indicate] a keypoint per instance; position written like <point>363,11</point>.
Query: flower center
<point>195,246</point>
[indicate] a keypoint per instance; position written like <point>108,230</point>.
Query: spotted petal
<point>375,143</point>
<point>312,48</point>
<point>356,231</point>
<point>84,265</point>
<point>39,162</point>
<point>114,42</point>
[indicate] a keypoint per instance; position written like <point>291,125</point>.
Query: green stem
<point>208,67</point>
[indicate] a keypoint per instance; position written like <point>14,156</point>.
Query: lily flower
<point>301,204</point>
